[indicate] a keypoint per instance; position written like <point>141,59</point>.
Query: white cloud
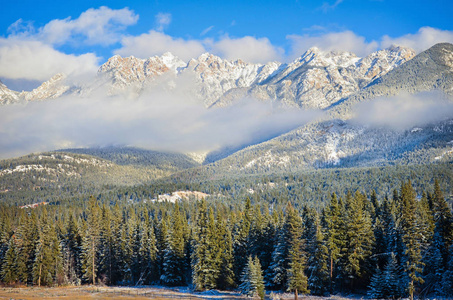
<point>153,43</point>
<point>345,41</point>
<point>157,43</point>
<point>34,60</point>
<point>247,48</point>
<point>162,21</point>
<point>326,6</point>
<point>102,26</point>
<point>420,41</point>
<point>206,30</point>
<point>160,120</point>
<point>405,110</point>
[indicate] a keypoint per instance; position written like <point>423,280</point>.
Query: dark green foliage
<point>302,248</point>
<point>412,238</point>
<point>318,257</point>
<point>205,256</point>
<point>297,280</point>
<point>252,283</point>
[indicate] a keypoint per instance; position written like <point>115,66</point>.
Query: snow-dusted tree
<point>225,241</point>
<point>277,269</point>
<point>241,239</point>
<point>9,270</point>
<point>90,242</point>
<point>174,256</point>
<point>334,235</point>
<point>204,265</point>
<point>359,238</point>
<point>252,282</point>
<point>297,280</point>
<point>411,237</point>
<point>318,257</point>
<point>147,252</point>
<point>389,283</point>
<point>47,265</point>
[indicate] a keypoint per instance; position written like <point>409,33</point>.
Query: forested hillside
<point>388,247</point>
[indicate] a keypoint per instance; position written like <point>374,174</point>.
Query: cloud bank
<point>420,41</point>
<point>344,41</point>
<point>32,54</point>
<point>34,60</point>
<point>162,120</point>
<point>405,111</point>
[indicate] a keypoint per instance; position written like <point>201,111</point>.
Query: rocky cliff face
<point>319,79</point>
<point>51,89</point>
<point>7,96</point>
<point>315,80</point>
<point>136,73</point>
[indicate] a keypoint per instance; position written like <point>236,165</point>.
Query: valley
<point>339,166</point>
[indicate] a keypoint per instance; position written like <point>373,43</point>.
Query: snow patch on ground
<point>180,196</point>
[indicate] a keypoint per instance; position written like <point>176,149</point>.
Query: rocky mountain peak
<point>51,89</point>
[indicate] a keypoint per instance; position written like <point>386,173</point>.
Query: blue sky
<point>41,38</point>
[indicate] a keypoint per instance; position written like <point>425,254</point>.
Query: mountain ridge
<point>219,82</point>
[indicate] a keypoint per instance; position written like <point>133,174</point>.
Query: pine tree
<point>241,235</point>
<point>47,266</point>
<point>105,252</point>
<point>252,283</point>
<point>204,269</point>
<point>226,277</point>
<point>334,241</point>
<point>297,280</point>
<point>443,224</point>
<point>90,242</point>
<point>71,249</point>
<point>318,257</point>
<point>9,267</point>
<point>411,237</point>
<point>377,286</point>
<point>387,284</point>
<point>174,255</point>
<point>277,269</point>
<point>147,251</point>
<point>359,238</point>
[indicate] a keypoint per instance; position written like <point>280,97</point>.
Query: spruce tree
<point>204,274</point>
<point>252,283</point>
<point>318,257</point>
<point>226,277</point>
<point>47,266</point>
<point>71,248</point>
<point>411,237</point>
<point>9,267</point>
<point>174,256</point>
<point>297,280</point>
<point>334,234</point>
<point>147,251</point>
<point>359,239</point>
<point>90,242</point>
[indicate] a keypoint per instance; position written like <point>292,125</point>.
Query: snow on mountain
<point>215,76</point>
<point>319,79</point>
<point>7,96</point>
<point>315,80</point>
<point>135,73</point>
<point>51,89</point>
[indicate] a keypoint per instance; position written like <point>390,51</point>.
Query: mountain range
<point>315,80</point>
<point>334,82</point>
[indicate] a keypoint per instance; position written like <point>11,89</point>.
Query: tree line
<point>394,247</point>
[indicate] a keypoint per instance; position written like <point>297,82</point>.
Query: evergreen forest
<point>385,245</point>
